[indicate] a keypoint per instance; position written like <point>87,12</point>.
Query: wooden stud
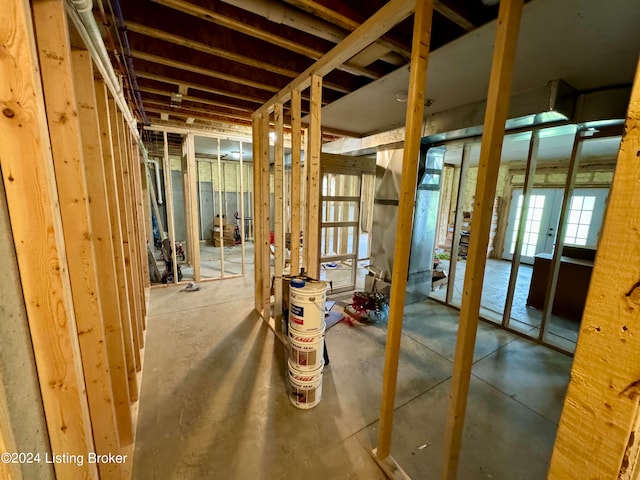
<point>168,199</point>
<point>257,213</point>
<point>415,108</point>
<point>279,241</point>
<point>123,204</point>
<point>129,202</point>
<point>265,234</point>
<point>136,260</point>
<point>105,263</point>
<point>54,50</point>
<point>597,434</point>
<point>192,207</point>
<point>221,186</point>
<point>137,164</point>
<point>296,154</point>
<point>27,172</point>
<point>313,181</point>
<point>491,149</point>
<point>242,226</point>
<point>116,232</point>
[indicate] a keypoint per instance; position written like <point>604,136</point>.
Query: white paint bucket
<point>305,387</point>
<point>306,305</point>
<point>307,349</point>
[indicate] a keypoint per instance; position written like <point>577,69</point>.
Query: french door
<point>586,211</point>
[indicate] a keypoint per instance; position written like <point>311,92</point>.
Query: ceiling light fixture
<point>402,96</point>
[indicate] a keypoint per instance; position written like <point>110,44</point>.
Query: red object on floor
<point>271,237</point>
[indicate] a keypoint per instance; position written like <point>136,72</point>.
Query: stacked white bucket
<point>306,339</point>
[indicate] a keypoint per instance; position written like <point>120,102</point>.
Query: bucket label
<point>296,310</point>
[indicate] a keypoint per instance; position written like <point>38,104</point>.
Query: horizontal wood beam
<point>347,23</point>
<point>200,116</point>
<point>197,86</point>
<point>191,98</point>
<point>201,70</point>
<point>188,107</point>
<point>443,9</point>
<point>202,47</point>
<point>209,15</point>
<point>382,21</point>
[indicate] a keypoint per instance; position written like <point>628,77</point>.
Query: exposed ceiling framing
<point>227,58</point>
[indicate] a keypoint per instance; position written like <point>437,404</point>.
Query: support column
<point>312,231</point>
<point>296,153</point>
<point>415,107</point>
<point>279,241</point>
<point>491,149</point>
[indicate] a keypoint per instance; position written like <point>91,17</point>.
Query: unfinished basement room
<point>319,239</point>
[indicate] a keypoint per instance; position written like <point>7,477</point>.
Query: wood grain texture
<point>312,226</point>
<point>68,158</point>
<point>295,200</point>
<point>257,213</point>
<point>29,179</point>
<point>278,185</point>
<point>126,228</point>
<point>265,200</point>
<point>597,434</point>
<point>404,228</point>
<point>115,221</point>
<point>105,256</point>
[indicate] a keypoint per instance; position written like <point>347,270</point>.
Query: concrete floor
<point>214,399</point>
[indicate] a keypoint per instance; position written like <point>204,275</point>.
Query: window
<point>580,214</point>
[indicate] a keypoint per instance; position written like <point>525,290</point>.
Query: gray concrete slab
<point>214,399</point>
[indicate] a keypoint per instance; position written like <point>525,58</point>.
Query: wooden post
<point>312,230</point>
<point>143,265</point>
<point>136,260</point>
<point>265,191</point>
<point>168,199</point>
<point>279,241</point>
<point>64,127</point>
<point>415,107</point>
<point>296,153</point>
<point>125,218</point>
<point>105,263</point>
<point>257,213</point>
<point>192,207</point>
<point>242,209</point>
<point>116,232</point>
<point>29,181</point>
<point>491,149</point>
<point>597,435</point>
<point>221,182</point>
